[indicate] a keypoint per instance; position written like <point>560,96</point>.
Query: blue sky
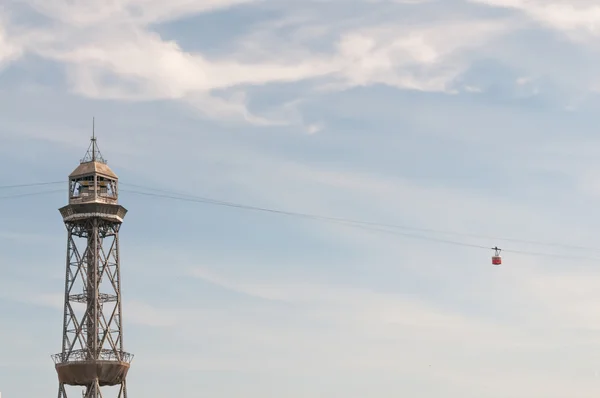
<point>473,116</point>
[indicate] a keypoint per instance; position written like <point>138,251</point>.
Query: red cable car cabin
<point>496,258</point>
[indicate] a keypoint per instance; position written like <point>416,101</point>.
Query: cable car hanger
<point>496,258</point>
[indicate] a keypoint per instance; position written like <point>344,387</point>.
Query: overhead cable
<point>386,228</point>
<point>182,196</point>
<point>352,223</point>
<point>18,195</point>
<point>35,184</point>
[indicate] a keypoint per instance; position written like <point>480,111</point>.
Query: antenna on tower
<point>93,139</point>
<point>93,153</point>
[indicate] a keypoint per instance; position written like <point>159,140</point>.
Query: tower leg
<point>123,392</point>
<point>93,391</point>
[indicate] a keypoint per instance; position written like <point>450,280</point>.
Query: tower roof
<point>87,168</point>
<point>93,162</point>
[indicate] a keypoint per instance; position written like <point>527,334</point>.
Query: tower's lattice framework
<point>92,354</point>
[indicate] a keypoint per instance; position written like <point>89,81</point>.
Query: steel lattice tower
<point>92,353</point>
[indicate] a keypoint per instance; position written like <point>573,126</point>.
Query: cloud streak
<point>110,51</point>
<point>10,50</point>
<point>572,17</point>
<point>114,51</point>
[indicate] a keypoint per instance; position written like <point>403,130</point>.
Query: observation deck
<point>76,369</point>
<point>84,211</point>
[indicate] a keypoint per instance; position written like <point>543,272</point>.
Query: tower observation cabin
<point>93,181</point>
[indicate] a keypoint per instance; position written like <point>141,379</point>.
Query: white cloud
<point>314,128</point>
<point>521,81</point>
<point>111,52</point>
<point>10,50</point>
<point>575,17</point>
<point>83,13</point>
<point>147,67</point>
<point>161,69</point>
<point>427,58</point>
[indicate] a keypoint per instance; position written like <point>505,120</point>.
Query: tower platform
<point>85,211</point>
<point>109,369</point>
<point>107,373</point>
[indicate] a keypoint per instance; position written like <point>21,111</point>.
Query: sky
<point>476,117</point>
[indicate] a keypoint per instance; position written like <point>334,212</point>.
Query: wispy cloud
<point>114,51</point>
<point>111,51</point>
<point>572,17</point>
<point>141,12</point>
<point>10,50</point>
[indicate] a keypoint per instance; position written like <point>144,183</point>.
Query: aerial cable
<point>176,195</point>
<point>373,226</point>
<point>31,185</point>
<point>476,246</point>
<point>18,195</point>
<point>351,223</point>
